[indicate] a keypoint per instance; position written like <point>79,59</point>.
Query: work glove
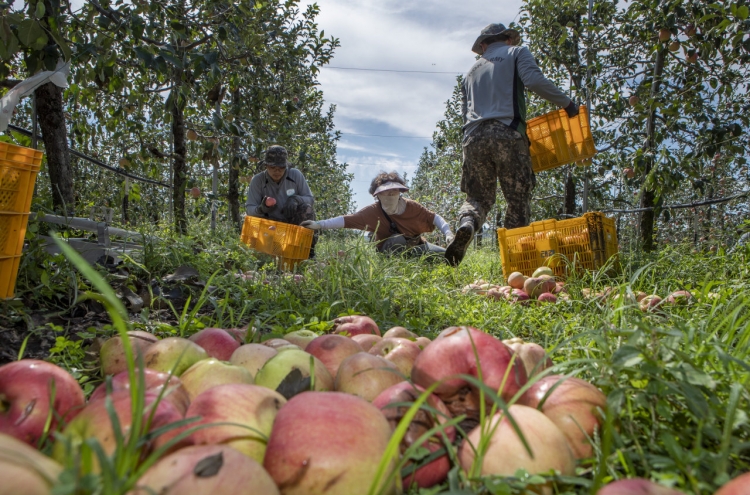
<point>448,239</point>
<point>311,224</point>
<point>269,202</point>
<point>572,109</point>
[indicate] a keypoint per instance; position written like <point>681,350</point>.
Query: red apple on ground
<point>173,354</point>
<point>328,443</point>
<point>366,340</point>
<point>547,298</point>
<point>433,472</point>
<point>422,342</point>
<point>208,373</point>
<point>650,303</point>
<point>506,453</point>
<point>94,422</point>
<point>26,471</point>
<point>153,381</point>
<point>535,286</point>
<point>26,398</point>
<point>400,332</point>
<point>206,470</point>
<point>401,352</point>
<point>240,333</point>
<point>301,338</point>
<point>366,375</point>
<point>640,486</point>
<point>533,355</point>
<point>251,408</point>
<point>355,325</point>
<point>217,342</point>
<point>738,486</point>
<point>679,298</point>
<point>518,296</point>
<point>516,280</point>
<point>454,352</point>
<point>293,371</point>
<point>332,349</point>
<point>112,354</point>
<point>573,406</point>
<point>252,357</point>
<point>279,344</point>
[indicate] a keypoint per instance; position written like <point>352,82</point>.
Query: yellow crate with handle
<point>556,140</point>
<point>587,242</point>
<point>290,243</point>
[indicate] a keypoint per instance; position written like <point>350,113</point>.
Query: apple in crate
<point>355,325</point>
<point>332,349</point>
<point>208,373</point>
<point>328,443</point>
<point>394,402</point>
<point>250,408</point>
<point>252,357</point>
<point>205,470</point>
<point>25,470</point>
<point>173,355</point>
<point>31,391</point>
<point>366,375</point>
<point>454,352</point>
<point>112,353</point>
<point>217,342</point>
<point>153,381</point>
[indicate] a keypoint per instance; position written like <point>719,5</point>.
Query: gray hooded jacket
<point>292,183</point>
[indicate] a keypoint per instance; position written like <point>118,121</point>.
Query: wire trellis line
<point>684,205</point>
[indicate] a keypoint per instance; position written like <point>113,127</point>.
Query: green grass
<point>676,380</point>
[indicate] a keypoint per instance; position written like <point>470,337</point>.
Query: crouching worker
<point>396,222</point>
<point>280,192</point>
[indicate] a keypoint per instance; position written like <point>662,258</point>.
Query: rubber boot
<point>456,250</point>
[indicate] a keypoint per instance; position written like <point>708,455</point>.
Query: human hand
<point>310,224</point>
<point>269,202</point>
<point>572,109</point>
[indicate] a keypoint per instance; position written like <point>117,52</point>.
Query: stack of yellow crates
<point>19,167</point>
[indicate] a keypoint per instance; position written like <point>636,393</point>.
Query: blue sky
<point>432,36</point>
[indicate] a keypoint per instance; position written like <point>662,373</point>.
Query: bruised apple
<point>533,355</point>
<point>32,390</point>
<point>505,452</point>
<point>205,470</point>
<point>366,375</point>
<point>355,325</point>
<point>217,342</point>
<point>573,405</point>
<point>332,349</point>
<point>293,371</point>
<point>328,443</point>
<point>454,352</point>
<point>395,401</point>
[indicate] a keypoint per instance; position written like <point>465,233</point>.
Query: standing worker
<point>494,143</point>
<point>280,192</point>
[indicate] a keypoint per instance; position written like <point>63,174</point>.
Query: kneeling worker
<point>280,192</point>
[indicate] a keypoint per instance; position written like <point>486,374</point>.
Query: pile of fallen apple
<point>307,414</point>
<point>543,287</point>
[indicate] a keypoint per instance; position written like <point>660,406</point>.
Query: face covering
<point>389,203</point>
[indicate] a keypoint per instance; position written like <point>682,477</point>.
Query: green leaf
<point>64,48</point>
<point>10,48</point>
<point>742,12</point>
<point>627,356</point>
<point>40,10</point>
<point>30,32</point>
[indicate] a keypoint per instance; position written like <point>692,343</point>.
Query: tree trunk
<point>49,104</point>
<point>179,166</point>
<point>570,195</point>
<point>649,195</point>
<point>233,194</point>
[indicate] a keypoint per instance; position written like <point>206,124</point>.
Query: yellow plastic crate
<point>17,186</point>
<point>290,242</point>
<point>12,233</point>
<point>20,154</point>
<point>8,274</point>
<point>557,140</point>
<point>587,242</point>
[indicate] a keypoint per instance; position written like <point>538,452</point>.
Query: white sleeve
<point>442,225</point>
<point>332,223</point>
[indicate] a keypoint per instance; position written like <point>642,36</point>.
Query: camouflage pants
<point>495,152</point>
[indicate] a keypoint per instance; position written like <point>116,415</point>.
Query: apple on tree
<point>195,192</point>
